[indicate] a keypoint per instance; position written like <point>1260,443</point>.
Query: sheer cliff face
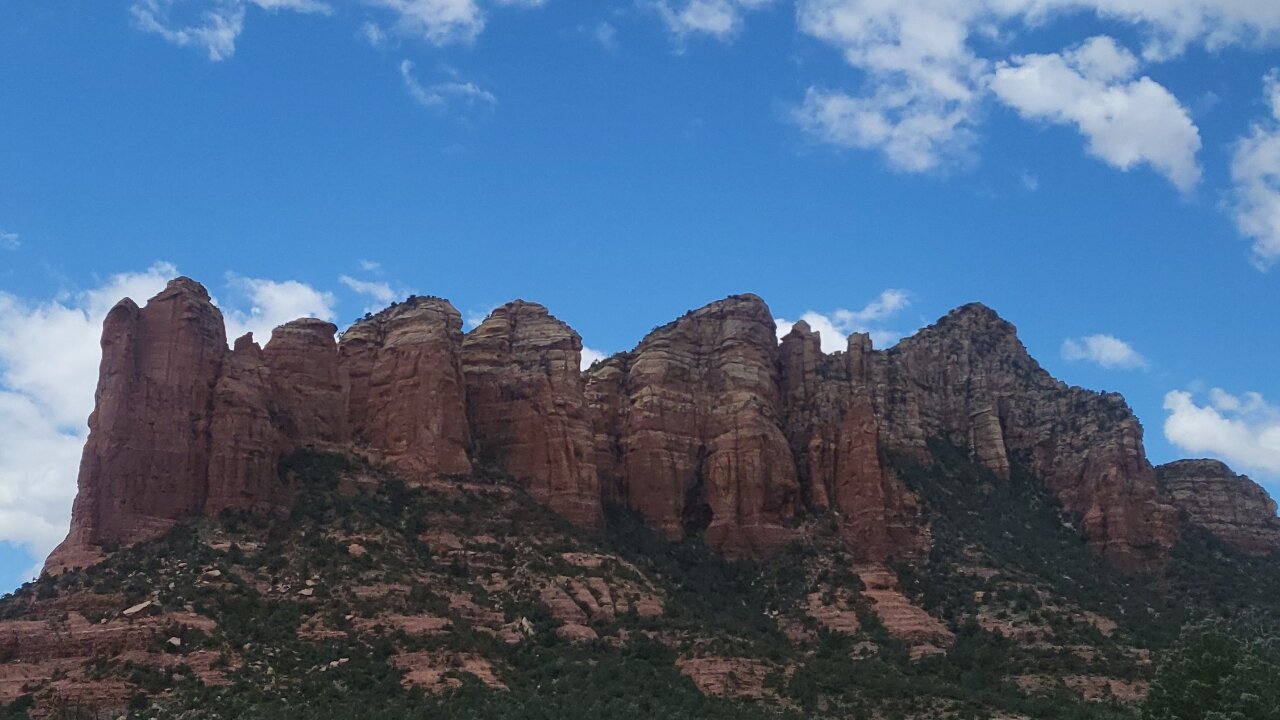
<point>688,428</point>
<point>406,397</point>
<point>708,426</point>
<point>835,439</point>
<point>526,408</point>
<point>145,463</point>
<point>1232,507</point>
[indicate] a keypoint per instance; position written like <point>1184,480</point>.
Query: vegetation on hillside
<point>307,627</point>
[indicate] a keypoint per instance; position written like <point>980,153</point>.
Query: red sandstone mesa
<point>708,426</point>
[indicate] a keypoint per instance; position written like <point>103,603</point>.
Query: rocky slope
<point>708,427</point>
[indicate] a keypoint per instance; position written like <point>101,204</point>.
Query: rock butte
<point>708,426</point>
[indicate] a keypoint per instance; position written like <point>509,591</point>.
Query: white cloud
<point>1255,173</point>
<point>9,241</point>
<point>378,291</point>
<point>444,22</point>
<point>591,355</point>
<point>1242,430</point>
<point>1106,350</point>
<point>606,35</point>
<point>923,84</point>
<point>835,328</point>
<point>214,26</point>
<point>272,303</point>
<point>440,96</point>
<point>1127,122</point>
<point>720,19</point>
<point>49,354</point>
<point>215,31</point>
<point>921,79</point>
<point>440,22</point>
<point>370,266</point>
<point>916,133</point>
<point>373,34</point>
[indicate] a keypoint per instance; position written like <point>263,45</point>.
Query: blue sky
<point>1104,173</point>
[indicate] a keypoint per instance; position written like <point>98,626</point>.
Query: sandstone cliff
<point>1232,507</point>
<point>696,444</point>
<point>406,399</point>
<point>146,461</point>
<point>836,442</point>
<point>708,426</point>
<point>969,381</point>
<point>526,408</point>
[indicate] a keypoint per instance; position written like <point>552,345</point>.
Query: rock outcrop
<point>709,426</point>
<point>307,385</point>
<point>146,461</point>
<point>243,443</point>
<point>968,381</point>
<point>1232,507</point>
<point>835,439</point>
<point>526,409</point>
<point>407,401</point>
<point>699,446</point>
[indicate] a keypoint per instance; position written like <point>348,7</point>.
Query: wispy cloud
<point>9,241</point>
<point>442,95</point>
<point>1107,351</point>
<point>260,305</point>
<point>720,19</point>
<point>1255,172</point>
<point>214,25</point>
<point>836,326</point>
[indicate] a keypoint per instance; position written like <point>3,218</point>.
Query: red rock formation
<point>145,463</point>
<point>243,442</point>
<point>699,444</point>
<point>306,384</point>
<point>406,400</point>
<point>526,409</point>
<point>836,443</point>
<point>707,426</point>
<point>969,381</point>
<point>1232,507</point>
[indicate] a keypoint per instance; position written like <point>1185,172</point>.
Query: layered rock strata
<point>146,462</point>
<point>968,381</point>
<point>526,408</point>
<point>406,395</point>
<point>835,439</point>
<point>710,426</point>
<point>1232,507</point>
<point>689,430</point>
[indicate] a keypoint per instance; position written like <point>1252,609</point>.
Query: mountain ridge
<point>708,421</point>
